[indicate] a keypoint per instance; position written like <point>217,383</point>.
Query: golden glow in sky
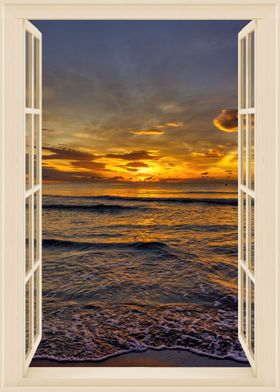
<point>140,101</point>
<point>153,155</point>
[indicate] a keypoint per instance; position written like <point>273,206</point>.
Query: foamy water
<point>123,274</point>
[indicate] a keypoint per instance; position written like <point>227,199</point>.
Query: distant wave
<point>93,208</point>
<point>117,207</point>
<point>185,200</point>
<point>140,245</point>
<point>205,192</point>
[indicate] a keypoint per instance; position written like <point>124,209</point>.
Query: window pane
<point>243,303</point>
<point>252,316</point>
<point>243,226</point>
<point>28,152</point>
<point>28,238</point>
<point>28,335</point>
<point>36,73</point>
<point>36,226</point>
<point>243,150</point>
<point>28,70</point>
<point>36,302</point>
<point>243,73</point>
<point>36,150</point>
<point>251,244</point>
<point>251,134</point>
<point>251,41</point>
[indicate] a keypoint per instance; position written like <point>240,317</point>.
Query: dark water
<point>123,274</point>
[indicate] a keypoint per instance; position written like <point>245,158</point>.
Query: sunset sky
<point>139,101</point>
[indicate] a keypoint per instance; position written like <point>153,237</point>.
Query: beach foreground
<point>148,358</point>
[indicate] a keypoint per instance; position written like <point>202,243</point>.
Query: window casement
<point>22,191</point>
<point>246,190</point>
<point>33,191</point>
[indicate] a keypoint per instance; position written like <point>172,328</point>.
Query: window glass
<point>36,226</point>
<point>243,150</point>
<point>243,73</point>
<point>28,237</point>
<point>28,151</point>
<point>251,246</point>
<point>36,73</point>
<point>36,302</point>
<point>28,70</point>
<point>243,226</point>
<point>251,152</point>
<point>252,315</point>
<point>36,149</point>
<point>243,302</point>
<point>251,95</point>
<point>28,335</point>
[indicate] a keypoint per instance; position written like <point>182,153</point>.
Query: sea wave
<point>184,200</point>
<point>140,245</point>
<point>98,333</point>
<point>94,208</point>
<point>161,279</point>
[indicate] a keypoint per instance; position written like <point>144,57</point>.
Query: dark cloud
<point>132,156</point>
<point>130,169</point>
<point>204,174</point>
<point>52,174</point>
<point>89,165</point>
<point>66,153</point>
<point>137,164</point>
<point>227,121</point>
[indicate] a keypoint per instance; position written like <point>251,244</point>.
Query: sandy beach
<point>148,358</point>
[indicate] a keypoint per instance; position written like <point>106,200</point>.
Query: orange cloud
<point>210,153</point>
<point>174,124</point>
<point>132,156</point>
<point>147,132</point>
<point>227,121</point>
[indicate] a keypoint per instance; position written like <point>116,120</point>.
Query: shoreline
<point>147,358</point>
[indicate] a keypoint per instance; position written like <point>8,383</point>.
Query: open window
<point>246,190</point>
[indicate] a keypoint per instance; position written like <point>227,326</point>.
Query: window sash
<point>33,191</point>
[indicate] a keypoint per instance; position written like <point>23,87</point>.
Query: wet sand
<point>148,358</point>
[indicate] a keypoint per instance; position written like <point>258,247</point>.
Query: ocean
<point>128,268</point>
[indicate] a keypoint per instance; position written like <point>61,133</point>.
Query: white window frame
<point>12,373</point>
